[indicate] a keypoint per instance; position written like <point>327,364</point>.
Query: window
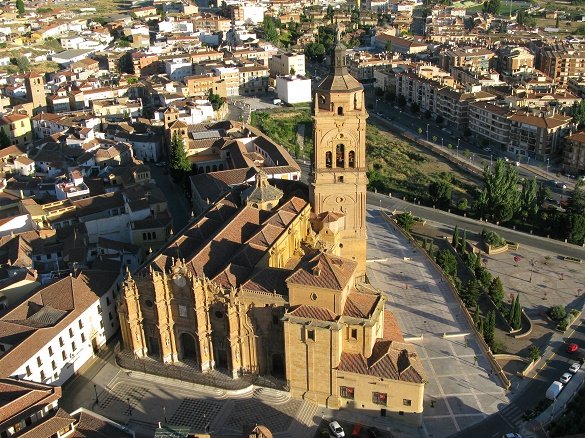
<point>50,351</point>
<point>28,373</point>
<point>61,341</point>
<point>340,155</point>
<point>346,392</point>
<point>354,333</point>
<point>39,361</point>
<point>406,402</point>
<point>311,335</point>
<point>379,398</point>
<point>183,311</point>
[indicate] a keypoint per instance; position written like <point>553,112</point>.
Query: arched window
<point>339,110</point>
<point>340,155</point>
<point>328,159</point>
<point>351,159</point>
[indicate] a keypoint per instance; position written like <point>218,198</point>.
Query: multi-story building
<point>562,61</point>
<point>490,122</point>
<point>537,136</point>
<point>287,64</point>
<point>266,281</point>
<point>49,336</point>
<point>574,153</point>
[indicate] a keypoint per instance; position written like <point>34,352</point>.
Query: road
<point>447,222</point>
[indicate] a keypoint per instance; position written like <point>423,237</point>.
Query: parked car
<point>336,429</point>
<point>572,348</point>
<point>574,367</point>
<point>565,378</point>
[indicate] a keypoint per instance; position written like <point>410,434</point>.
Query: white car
<point>574,367</point>
<point>565,378</point>
<point>336,430</point>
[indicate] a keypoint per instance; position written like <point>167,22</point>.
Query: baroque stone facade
<point>272,280</point>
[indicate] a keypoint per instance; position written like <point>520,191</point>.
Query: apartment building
<point>537,136</point>
<point>471,58</point>
<point>562,61</point>
<point>287,63</point>
<point>574,153</point>
<point>490,123</point>
<point>49,336</point>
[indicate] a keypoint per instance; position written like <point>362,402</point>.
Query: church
<point>271,279</point>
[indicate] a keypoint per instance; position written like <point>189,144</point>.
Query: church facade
<point>271,280</point>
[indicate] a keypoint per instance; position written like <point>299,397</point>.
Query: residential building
<point>293,89</point>
<point>574,153</point>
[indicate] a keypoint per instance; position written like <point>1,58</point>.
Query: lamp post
<point>427,132</point>
<point>97,401</point>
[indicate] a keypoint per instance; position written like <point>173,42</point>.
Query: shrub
<point>557,313</point>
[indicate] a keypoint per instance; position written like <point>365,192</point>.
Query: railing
<point>187,373</point>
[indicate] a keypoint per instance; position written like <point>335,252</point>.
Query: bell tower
<point>338,176</point>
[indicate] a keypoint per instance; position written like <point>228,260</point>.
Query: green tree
<point>496,291</point>
<point>499,198</point>
<point>440,193</point>
<point>490,328</point>
<point>178,163</point>
<point>470,293</point>
<point>579,113</point>
<point>448,262</point>
<point>529,200</point>
<point>20,6</point>
<point>4,139</point>
<point>455,238</point>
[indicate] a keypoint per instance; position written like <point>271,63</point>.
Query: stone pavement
<point>461,389</point>
<point>141,401</point>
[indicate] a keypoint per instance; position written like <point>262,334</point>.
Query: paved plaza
<point>461,389</point>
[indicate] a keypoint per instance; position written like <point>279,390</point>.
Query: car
<point>574,367</point>
<point>336,429</point>
<point>565,378</point>
<point>374,433</point>
<point>572,348</point>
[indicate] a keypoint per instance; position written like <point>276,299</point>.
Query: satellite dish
<point>180,281</point>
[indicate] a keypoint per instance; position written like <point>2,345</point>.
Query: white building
<point>293,89</point>
<point>178,69</point>
<point>51,335</point>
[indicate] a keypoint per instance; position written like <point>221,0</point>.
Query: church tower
<point>338,177</point>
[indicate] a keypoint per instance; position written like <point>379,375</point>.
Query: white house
<point>293,89</point>
<point>51,335</point>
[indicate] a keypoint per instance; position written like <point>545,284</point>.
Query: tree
<point>20,6</point>
<point>448,262</point>
<point>529,200</point>
<point>499,198</point>
<point>490,328</point>
<point>579,113</point>
<point>496,291</point>
<point>4,139</point>
<point>455,239</point>
<point>178,163</point>
<point>440,193</point>
<point>470,293</point>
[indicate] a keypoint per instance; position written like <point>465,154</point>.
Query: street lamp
<point>427,132</point>
<point>547,163</point>
<point>97,401</point>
